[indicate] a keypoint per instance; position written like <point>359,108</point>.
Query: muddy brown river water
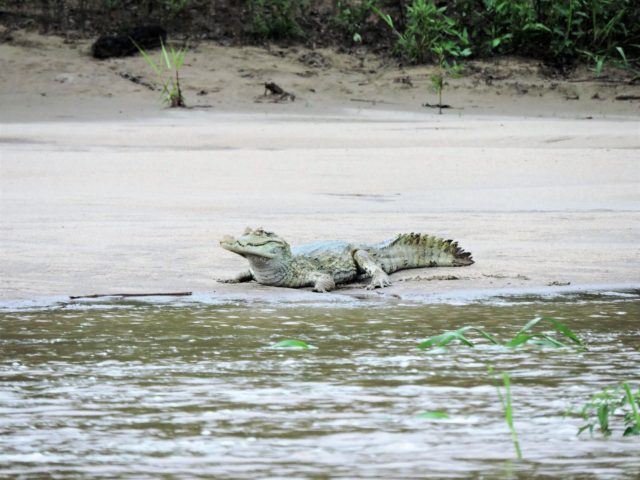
<point>191,389</point>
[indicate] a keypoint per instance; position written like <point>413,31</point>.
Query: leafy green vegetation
<point>605,405</point>
<point>561,33</point>
<point>274,19</point>
<point>177,5</point>
<point>168,72</point>
<point>430,35</point>
<point>352,17</point>
<point>505,400</point>
<point>524,335</point>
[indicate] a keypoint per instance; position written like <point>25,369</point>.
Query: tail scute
<point>413,250</point>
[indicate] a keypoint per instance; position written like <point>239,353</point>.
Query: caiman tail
<point>414,250</point>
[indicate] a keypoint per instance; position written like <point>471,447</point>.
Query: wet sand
<point>116,194</point>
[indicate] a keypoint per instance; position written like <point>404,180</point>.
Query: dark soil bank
<point>561,34</point>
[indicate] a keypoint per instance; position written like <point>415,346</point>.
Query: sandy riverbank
<point>103,191</point>
<point>55,78</point>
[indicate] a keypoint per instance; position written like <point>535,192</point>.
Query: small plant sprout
<point>431,35</point>
<point>446,53</point>
<point>605,405</point>
<point>168,72</point>
<point>507,407</point>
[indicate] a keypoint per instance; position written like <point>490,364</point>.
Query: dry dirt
<point>48,77</point>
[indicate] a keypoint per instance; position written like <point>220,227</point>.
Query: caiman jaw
<point>237,246</point>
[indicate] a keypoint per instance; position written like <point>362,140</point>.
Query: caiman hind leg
<point>379,277</point>
<point>239,278</point>
<point>322,282</point>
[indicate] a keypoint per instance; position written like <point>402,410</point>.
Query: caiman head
<point>258,246</point>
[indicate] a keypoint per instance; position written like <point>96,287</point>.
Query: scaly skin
<point>324,265</point>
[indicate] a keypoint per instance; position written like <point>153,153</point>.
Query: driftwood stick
<point>366,100</point>
<point>125,295</point>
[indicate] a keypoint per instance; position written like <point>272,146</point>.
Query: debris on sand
<point>146,37</point>
<point>276,93</point>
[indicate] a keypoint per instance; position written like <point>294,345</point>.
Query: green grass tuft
<point>168,72</point>
<point>605,405</point>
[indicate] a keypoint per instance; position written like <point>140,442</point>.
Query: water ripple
<point>138,390</point>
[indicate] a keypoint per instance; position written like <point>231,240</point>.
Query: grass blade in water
<point>543,340</point>
<point>632,429</point>
<point>447,337</point>
<point>603,419</point>
<point>564,330</point>
<point>508,410</point>
<point>486,335</point>
<point>433,415</point>
<point>557,325</point>
<point>290,344</point>
<point>439,340</point>
<point>459,336</point>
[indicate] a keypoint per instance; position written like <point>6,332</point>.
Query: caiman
<point>324,265</point>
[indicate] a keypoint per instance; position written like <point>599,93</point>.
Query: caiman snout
<point>227,239</point>
<point>256,243</point>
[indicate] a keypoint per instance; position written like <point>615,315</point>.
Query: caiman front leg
<point>322,282</point>
<point>379,277</point>
<point>239,278</point>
